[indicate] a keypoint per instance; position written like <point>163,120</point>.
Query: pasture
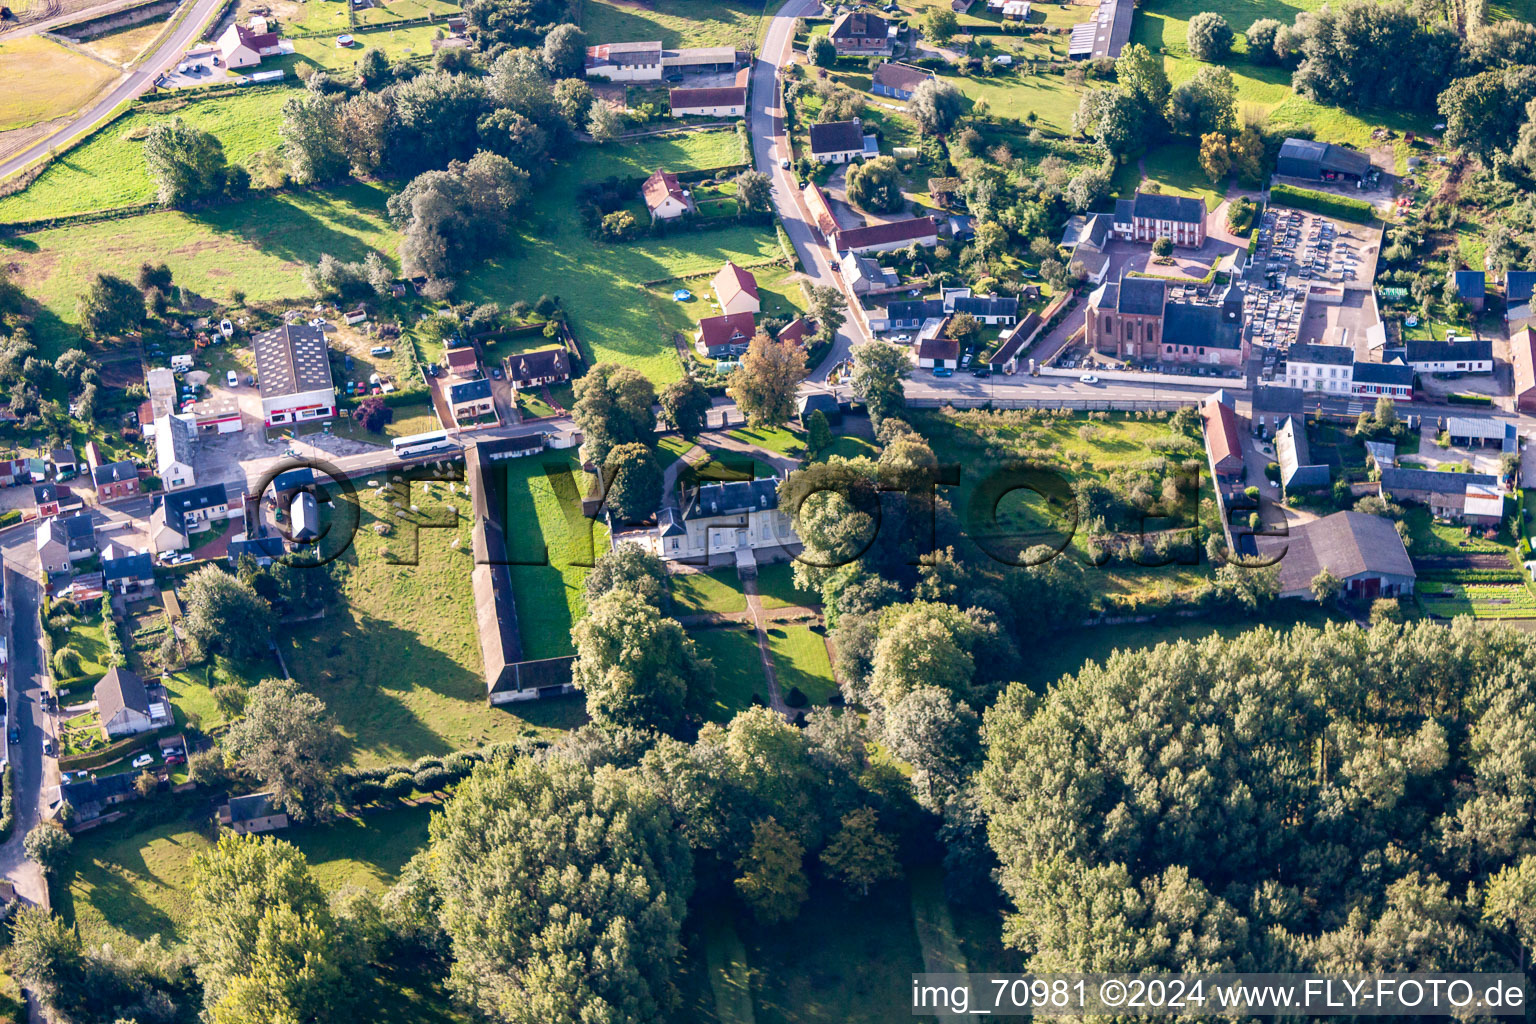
<point>674,22</point>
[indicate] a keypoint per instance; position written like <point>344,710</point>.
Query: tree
<point>1362,54</point>
<point>1386,610</point>
<point>496,25</point>
<point>265,942</point>
<point>613,407</point>
<point>1210,37</point>
<point>685,405</point>
<point>453,216</point>
<point>1326,586</point>
<point>875,185</point>
<point>1262,36</point>
<point>1215,158</point>
<point>940,25</point>
<point>1203,104</point>
<point>154,275</point>
<point>1386,413</point>
<point>289,741</point>
<point>605,122</point>
<point>222,615</point>
<point>879,368</point>
<point>936,103</point>
<point>772,879</point>
<point>939,736</point>
<point>72,367</point>
<point>563,892</point>
<point>109,306</point>
<point>372,68</point>
<point>1247,151</point>
<point>1510,904</point>
<point>574,97</point>
<point>1087,188</point>
<point>372,414</point>
<point>823,52</point>
<point>186,163</point>
<point>859,854</point>
<point>754,192</point>
<point>48,845</point>
<point>818,434</point>
<point>565,49</point>
<point>628,566</point>
<point>763,385</point>
<point>828,309</point>
<point>311,138</point>
<point>1141,73</point>
<point>1250,588</point>
<point>637,667</point>
<point>634,482</point>
<point>964,328</point>
<point>1484,113</point>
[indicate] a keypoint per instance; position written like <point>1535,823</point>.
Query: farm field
<point>551,546</point>
<point>107,170</point>
<point>44,79</point>
<point>125,45</point>
<point>605,287</point>
<point>258,246</point>
<point>399,666</point>
<point>674,22</point>
<point>1479,600</point>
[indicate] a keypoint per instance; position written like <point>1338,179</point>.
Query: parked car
<point>174,759</point>
<point>15,734</point>
<point>965,361</point>
<point>380,350</point>
<point>1088,378</point>
<point>495,373</point>
<point>232,379</point>
<point>143,759</point>
<point>47,748</point>
<point>943,371</point>
<point>981,371</point>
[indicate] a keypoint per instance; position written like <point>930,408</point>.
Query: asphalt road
<point>131,85</point>
<point>26,686</point>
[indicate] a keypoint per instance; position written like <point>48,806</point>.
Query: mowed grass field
<point>399,665</point>
<point>108,170</point>
<point>605,287</point>
<point>397,44</point>
<point>674,22</point>
<point>258,246</point>
<point>738,668</point>
<point>43,79</point>
<point>551,547</point>
<point>331,15</point>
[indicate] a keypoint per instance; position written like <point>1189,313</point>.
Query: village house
<point>1223,446</point>
<point>1085,239</point>
<point>262,550</point>
<point>1150,216</point>
<point>1014,344</point>
<point>1471,287</point>
<point>864,275</point>
<point>65,464</point>
<point>49,500</point>
<point>1363,551</point>
<point>898,81</point>
<point>461,361</point>
<point>736,290</point>
<point>1444,493</point>
<point>126,707</point>
<point>1519,285</point>
<point>665,198</point>
<point>93,797</point>
<point>812,402</point>
<point>538,368</point>
<point>304,518</point>
<point>1471,356</point>
<point>1522,357</point>
<point>718,101</point>
<point>241,47</point>
<point>1297,470</point>
<point>649,61</point>
<point>1483,506</point>
<point>837,142</point>
<point>252,814</point>
<point>64,540</point>
<point>935,349</point>
<point>887,237</point>
<point>1133,319</point>
<point>174,439</point>
<point>798,331</point>
<point>1382,380</point>
<point>190,511</point>
<point>293,373</point>
<point>857,33</point>
<point>717,522</point>
<point>115,480</point>
<point>128,572</point>
<point>719,337</point>
<point>468,400</point>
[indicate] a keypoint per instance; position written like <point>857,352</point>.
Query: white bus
<point>415,446</point>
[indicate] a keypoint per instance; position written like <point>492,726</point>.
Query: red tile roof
<point>884,234</point>
<point>938,348</point>
<point>821,210</point>
<point>732,281</point>
<point>659,187</point>
<point>1522,353</point>
<point>798,330</point>
<point>731,329</point>
<point>691,99</point>
<point>1221,432</point>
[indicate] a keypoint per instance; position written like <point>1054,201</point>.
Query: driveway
<point>128,87</point>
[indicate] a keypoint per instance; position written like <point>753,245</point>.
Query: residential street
<point>26,687</point>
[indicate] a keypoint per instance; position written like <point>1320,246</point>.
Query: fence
<point>1062,404</point>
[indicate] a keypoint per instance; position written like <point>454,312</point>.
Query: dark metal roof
<point>1384,373</point>
<point>838,137</point>
<point>194,499</point>
<point>1448,351</point>
<point>733,498</point>
<point>987,305</point>
<point>1158,206</point>
<point>114,472</point>
<point>1432,480</point>
<point>1326,355</point>
<point>470,391</point>
<point>128,567</point>
<point>1143,296</point>
<point>1187,324</point>
<point>1306,158</point>
<point>292,359</point>
<point>1519,286</point>
<point>1471,284</point>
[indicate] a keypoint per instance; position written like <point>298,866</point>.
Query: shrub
<point>1210,37</point>
<point>430,780</point>
<point>1342,207</point>
<point>67,663</point>
<point>795,698</point>
<point>397,785</point>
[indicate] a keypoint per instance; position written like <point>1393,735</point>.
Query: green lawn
<point>848,446</point>
<point>331,15</point>
<point>738,668</point>
<point>674,22</point>
<point>800,659</point>
<point>88,638</point>
<point>776,587</point>
<point>697,592</point>
<point>1429,537</point>
<point>784,440</point>
<point>399,665</point>
<point>551,547</point>
<point>397,43</point>
<point>1174,166</point>
<point>603,286</point>
<point>107,170</point>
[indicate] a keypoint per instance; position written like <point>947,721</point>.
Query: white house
<point>1450,356</point>
<point>293,374</point>
<point>837,142</point>
<point>242,48</point>
<point>718,522</point>
<point>1320,368</point>
<point>123,704</point>
<point>174,437</point>
<point>665,197</point>
<point>736,290</point>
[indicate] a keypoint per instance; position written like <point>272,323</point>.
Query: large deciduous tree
<point>110,305</point>
<point>186,162</point>
<point>289,741</point>
<point>935,106</point>
<point>772,880</point>
<point>685,406</point>
<point>452,217</point>
<point>563,893</point>
<point>1209,37</point>
<point>879,370</point>
<point>763,386</point>
<point>634,482</point>
<point>223,615</point>
<point>638,668</point>
<point>565,49</point>
<point>876,185</point>
<point>628,566</point>
<point>613,407</point>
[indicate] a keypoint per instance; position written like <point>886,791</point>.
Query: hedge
<point>1466,398</point>
<point>1342,207</point>
<point>1471,576</point>
<point>114,751</point>
<point>7,795</point>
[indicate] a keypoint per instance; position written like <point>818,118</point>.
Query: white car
<point>232,379</point>
<point>784,162</point>
<point>143,759</point>
<point>1087,378</point>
